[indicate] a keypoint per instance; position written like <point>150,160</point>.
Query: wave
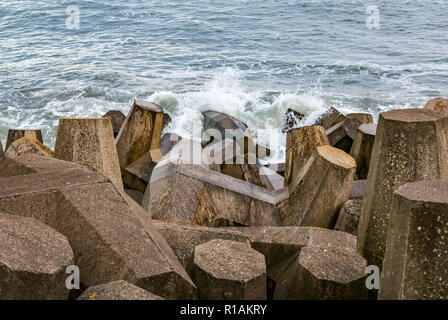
<point>264,112</point>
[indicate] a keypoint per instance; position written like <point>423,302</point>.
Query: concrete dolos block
<point>16,134</point>
<point>117,118</point>
<point>89,141</point>
<point>111,236</point>
<point>309,263</point>
<point>138,143</point>
<point>410,145</point>
<point>324,185</point>
<point>362,148</point>
<point>183,191</point>
<point>300,145</point>
<point>229,270</point>
<point>33,260</point>
<point>28,145</point>
<point>416,260</point>
<point>117,290</point>
<point>439,104</point>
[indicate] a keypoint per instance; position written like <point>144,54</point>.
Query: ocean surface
<point>251,59</point>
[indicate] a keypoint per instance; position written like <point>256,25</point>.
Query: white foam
<point>226,92</point>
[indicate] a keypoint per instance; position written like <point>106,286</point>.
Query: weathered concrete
<point>28,145</point>
<point>410,145</point>
<point>29,164</point>
<point>117,119</point>
<point>222,155</point>
<point>301,143</point>
<point>111,236</point>
<point>134,138</point>
<point>181,191</point>
<point>358,189</point>
<point>16,134</point>
<point>415,263</point>
<point>136,195</point>
<point>281,247</point>
<point>325,182</point>
<point>354,120</point>
<point>139,143</point>
<point>89,141</point>
<point>362,148</point>
<point>231,128</point>
<point>245,172</point>
<point>292,119</point>
<point>330,274</point>
<point>336,133</point>
<point>439,104</point>
<point>329,118</point>
<point>342,134</point>
<point>229,270</point>
<point>348,218</point>
<point>33,260</point>
<point>154,147</point>
<point>183,238</point>
<point>138,174</point>
<point>117,290</point>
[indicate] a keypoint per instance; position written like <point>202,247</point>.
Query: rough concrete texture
<point>330,274</point>
<point>33,260</point>
<point>358,189</point>
<point>324,186</point>
<point>137,175</point>
<point>185,192</point>
<point>281,247</point>
<point>410,145</point>
<point>348,218</point>
<point>342,134</point>
<point>89,141</point>
<point>229,270</point>
<point>16,134</point>
<point>220,126</point>
<point>154,147</point>
<point>336,133</point>
<point>245,172</point>
<point>134,138</point>
<point>300,145</point>
<point>139,143</point>
<point>183,238</point>
<point>28,145</point>
<point>227,157</point>
<point>362,148</point>
<point>117,290</point>
<point>439,104</point>
<point>329,118</point>
<point>117,118</point>
<point>415,263</point>
<point>354,120</point>
<point>111,236</point>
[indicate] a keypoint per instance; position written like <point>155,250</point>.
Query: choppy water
<point>252,59</point>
